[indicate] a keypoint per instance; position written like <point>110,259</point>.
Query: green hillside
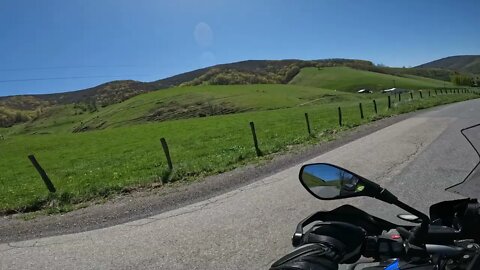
<point>243,72</point>
<point>312,86</point>
<point>92,151</point>
<point>182,103</point>
<point>95,164</point>
<point>461,63</point>
<point>26,108</point>
<point>348,79</point>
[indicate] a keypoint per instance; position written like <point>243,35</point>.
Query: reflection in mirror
<point>328,182</point>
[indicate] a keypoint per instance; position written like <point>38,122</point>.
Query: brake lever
<point>298,234</point>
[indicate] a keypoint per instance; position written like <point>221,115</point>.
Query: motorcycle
<point>446,239</point>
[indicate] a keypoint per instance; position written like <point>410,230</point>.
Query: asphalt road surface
<point>251,227</point>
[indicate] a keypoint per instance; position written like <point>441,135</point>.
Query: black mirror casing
<point>370,189</point>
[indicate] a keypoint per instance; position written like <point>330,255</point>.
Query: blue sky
<point>56,45</point>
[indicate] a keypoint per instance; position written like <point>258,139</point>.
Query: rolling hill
<point>181,103</point>
<point>349,79</point>
<point>206,126</point>
<point>23,108</point>
<point>336,74</point>
<point>311,86</point>
<point>243,72</point>
<point>460,63</point>
<point>262,71</point>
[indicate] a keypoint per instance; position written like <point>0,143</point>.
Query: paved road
<point>250,227</point>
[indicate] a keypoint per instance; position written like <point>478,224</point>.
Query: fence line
<point>259,153</point>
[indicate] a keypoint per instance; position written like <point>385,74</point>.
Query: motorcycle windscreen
<point>470,187</point>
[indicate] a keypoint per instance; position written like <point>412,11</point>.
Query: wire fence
<point>347,116</point>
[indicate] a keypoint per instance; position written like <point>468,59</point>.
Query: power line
<point>67,67</point>
<point>73,78</point>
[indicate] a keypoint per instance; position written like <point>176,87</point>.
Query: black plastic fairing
<point>445,213</point>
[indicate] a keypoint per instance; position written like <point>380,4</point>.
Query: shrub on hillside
<point>464,80</point>
<point>10,118</point>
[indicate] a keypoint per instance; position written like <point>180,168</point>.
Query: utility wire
<point>66,67</point>
<point>72,78</point>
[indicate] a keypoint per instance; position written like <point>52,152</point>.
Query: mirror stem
<point>418,233</point>
<point>388,197</point>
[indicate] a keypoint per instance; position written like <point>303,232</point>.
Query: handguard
<point>346,239</point>
<point>346,213</point>
<point>311,256</point>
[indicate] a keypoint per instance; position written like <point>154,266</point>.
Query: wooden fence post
<point>421,94</point>
<point>399,97</point>
<point>361,110</point>
<point>411,95</point>
<point>375,106</point>
<point>389,102</point>
<point>308,124</point>
<point>167,153</point>
<point>43,174</point>
<point>255,141</point>
<point>339,116</point>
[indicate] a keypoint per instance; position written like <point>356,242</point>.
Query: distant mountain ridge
<point>258,71</point>
<point>460,63</point>
<point>243,72</point>
<point>25,108</point>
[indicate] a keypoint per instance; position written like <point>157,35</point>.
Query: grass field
<point>310,87</point>
<point>348,79</point>
<point>186,102</point>
<point>96,164</point>
<point>207,129</point>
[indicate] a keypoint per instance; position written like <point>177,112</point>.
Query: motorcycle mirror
<point>330,182</point>
<point>409,218</point>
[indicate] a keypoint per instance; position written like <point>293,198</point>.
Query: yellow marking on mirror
<point>360,188</point>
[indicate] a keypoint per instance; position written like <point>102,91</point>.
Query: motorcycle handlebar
<point>382,246</point>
